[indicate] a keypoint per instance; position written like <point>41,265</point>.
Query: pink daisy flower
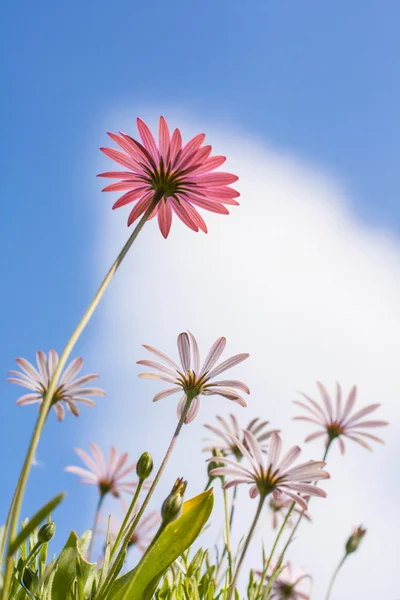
<point>279,507</point>
<point>69,390</point>
<point>289,584</point>
<point>108,476</point>
<point>339,421</point>
<point>180,176</point>
<point>190,378</point>
<point>273,474</point>
<point>229,429</point>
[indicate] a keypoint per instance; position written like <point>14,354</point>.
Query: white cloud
<point>293,278</point>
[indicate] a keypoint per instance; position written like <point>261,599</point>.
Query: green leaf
<point>141,583</point>
<point>66,567</point>
<point>34,522</point>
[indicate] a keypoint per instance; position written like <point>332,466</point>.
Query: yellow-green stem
<point>278,537</point>
<point>15,510</point>
<point>245,547</point>
<point>335,574</point>
<point>110,576</point>
<point>95,523</point>
<point>126,519</point>
<point>228,535</point>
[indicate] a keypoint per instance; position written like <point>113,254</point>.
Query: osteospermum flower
<point>108,475</point>
<point>229,428</point>
<point>190,378</point>
<point>279,507</point>
<point>178,177</point>
<point>289,585</point>
<point>339,422</point>
<point>273,474</point>
<point>144,531</point>
<point>69,390</point>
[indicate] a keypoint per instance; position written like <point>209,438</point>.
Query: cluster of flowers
<point>163,179</point>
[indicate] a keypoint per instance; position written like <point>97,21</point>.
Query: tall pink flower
<point>182,176</point>
<point>290,583</point>
<point>69,391</point>
<point>192,379</point>
<point>273,473</point>
<point>109,476</point>
<point>339,421</point>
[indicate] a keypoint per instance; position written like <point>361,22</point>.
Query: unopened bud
<point>172,505</point>
<point>144,466</point>
<point>215,464</point>
<point>28,577</point>
<point>354,540</point>
<point>46,532</point>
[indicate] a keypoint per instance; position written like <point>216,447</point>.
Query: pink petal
<point>148,139</point>
<point>184,350</point>
<point>130,196</point>
<point>140,208</point>
<point>222,193</point>
<point>117,174</point>
<point>127,184</point>
<point>362,413</point>
<point>274,450</point>
<point>216,179</point>
<point>206,204</point>
<point>183,215</point>
<point>326,399</point>
<point>120,158</point>
<point>193,215</point>
<point>349,404</point>
<point>164,218</point>
<point>210,164</point>
<point>227,364</point>
<point>215,352</point>
<point>165,393</point>
<point>158,366</point>
<point>163,356</point>
<point>163,138</point>
<point>175,146</point>
<point>196,353</point>
<point>314,436</point>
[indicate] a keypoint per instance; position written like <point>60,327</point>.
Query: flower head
<point>190,378</point>
<point>108,476</point>
<point>289,585</point>
<point>182,177</point>
<point>355,539</point>
<point>69,390</point>
<point>338,422</point>
<point>231,429</point>
<point>279,507</point>
<point>144,531</point>
<point>273,474</point>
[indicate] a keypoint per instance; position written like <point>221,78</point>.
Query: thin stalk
<point>47,400</point>
<point>328,594</point>
<point>138,516</point>
<point>232,513</point>
<point>95,523</point>
<point>126,519</point>
<point>300,516</point>
<point>245,547</point>
<point>278,537</point>
<point>228,535</point>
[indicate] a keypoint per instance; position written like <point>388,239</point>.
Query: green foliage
<point>73,570</point>
<point>169,544</point>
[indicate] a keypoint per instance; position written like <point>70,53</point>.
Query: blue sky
<point>320,80</point>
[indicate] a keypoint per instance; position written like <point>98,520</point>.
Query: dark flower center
<point>334,430</point>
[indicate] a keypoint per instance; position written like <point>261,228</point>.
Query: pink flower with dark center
<point>108,476</point>
<point>273,474</point>
<point>182,176</point>
<point>279,507</point>
<point>339,421</point>
<point>289,584</point>
<point>190,378</point>
<point>69,390</point>
<point>144,531</point>
<point>231,428</point>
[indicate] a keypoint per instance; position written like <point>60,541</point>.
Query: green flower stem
<point>328,594</point>
<point>282,556</point>
<point>95,523</point>
<point>232,513</point>
<point>128,515</point>
<point>278,537</point>
<point>47,400</point>
<point>227,534</point>
<point>110,577</point>
<point>245,547</point>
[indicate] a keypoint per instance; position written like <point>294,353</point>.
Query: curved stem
<point>245,547</point>
<point>278,537</point>
<point>228,534</point>
<point>110,576</point>
<point>95,523</point>
<point>126,519</point>
<point>328,594</point>
<point>15,511</point>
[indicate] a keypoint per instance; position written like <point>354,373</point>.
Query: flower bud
<point>144,466</point>
<point>215,464</point>
<point>172,505</point>
<point>354,540</point>
<point>28,577</point>
<point>46,532</point>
